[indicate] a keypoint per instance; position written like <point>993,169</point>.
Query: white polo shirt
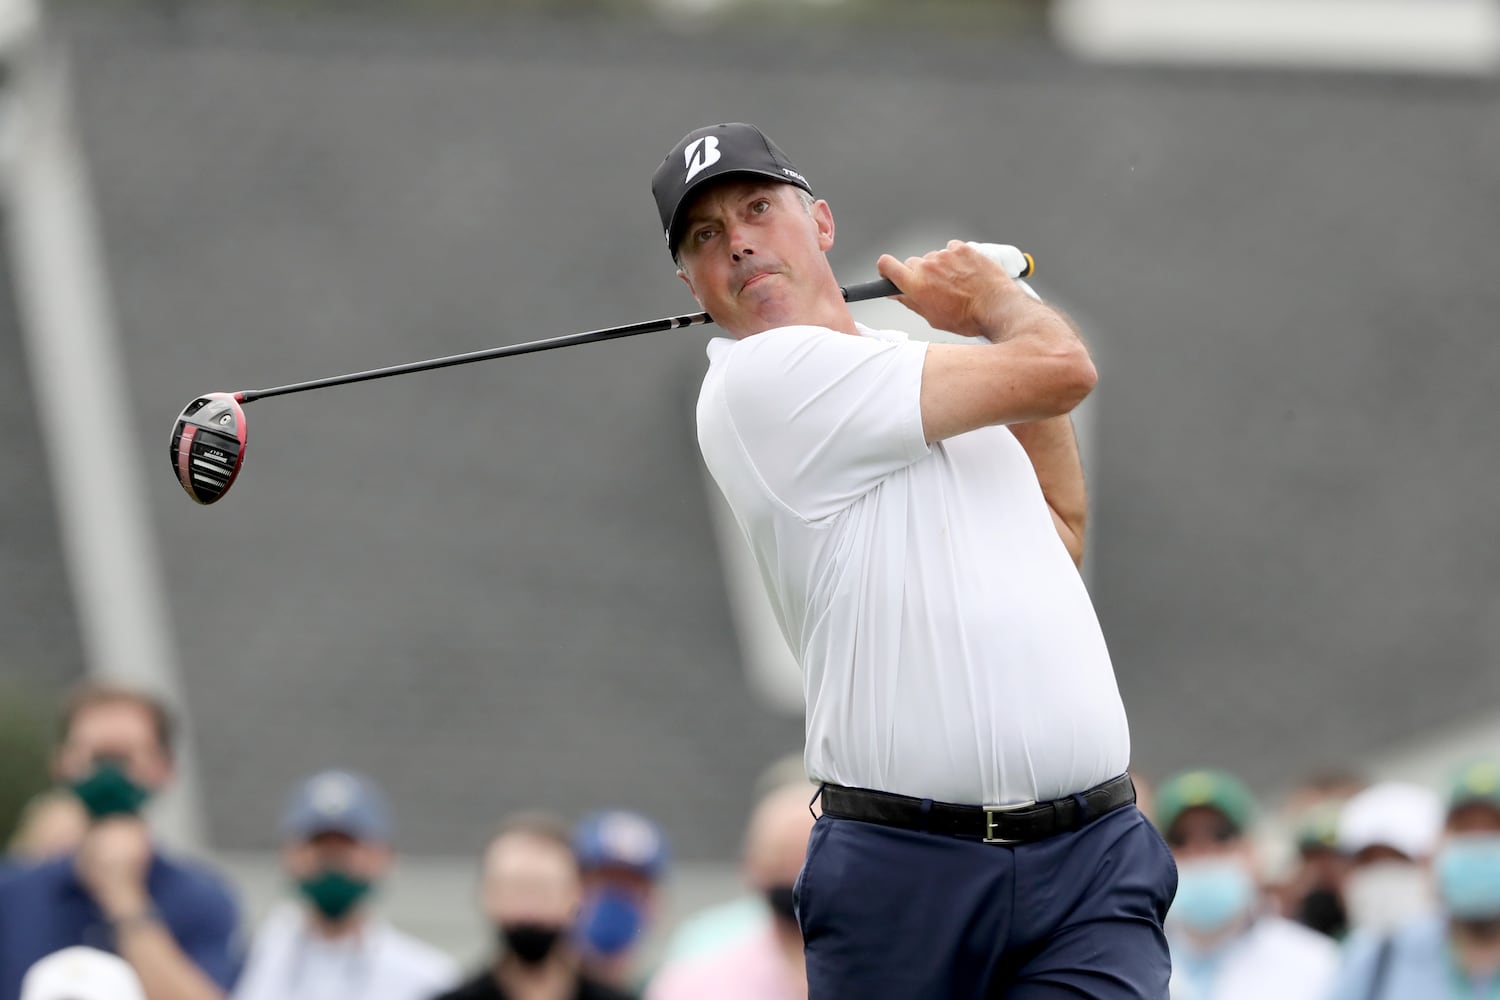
<point>288,962</point>
<point>948,646</point>
<point>1273,958</point>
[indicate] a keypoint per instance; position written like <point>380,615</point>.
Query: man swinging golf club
<point>917,511</point>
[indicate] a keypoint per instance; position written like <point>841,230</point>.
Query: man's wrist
<point>124,903</point>
<point>126,921</point>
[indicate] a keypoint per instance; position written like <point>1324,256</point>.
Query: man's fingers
<point>894,271</point>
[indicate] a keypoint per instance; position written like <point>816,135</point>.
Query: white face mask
<point>1382,896</point>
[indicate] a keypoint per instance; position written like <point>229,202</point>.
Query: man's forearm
<point>1052,447</point>
<point>165,971</point>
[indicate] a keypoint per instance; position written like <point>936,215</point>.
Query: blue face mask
<point>610,921</point>
<point>1468,876</point>
<point>1210,894</point>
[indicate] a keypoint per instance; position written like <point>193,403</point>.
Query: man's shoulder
<point>480,987</point>
<point>192,882</point>
<point>1292,940</point>
<point>592,989</point>
<point>416,958</point>
<point>23,881</point>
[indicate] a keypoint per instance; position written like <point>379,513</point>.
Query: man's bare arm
<point>112,863</point>
<point>1052,447</point>
<point>165,971</point>
<point>1029,364</point>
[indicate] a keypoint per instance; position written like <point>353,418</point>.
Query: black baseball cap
<point>710,154</point>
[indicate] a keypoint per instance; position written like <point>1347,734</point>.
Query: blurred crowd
<point>1385,890</point>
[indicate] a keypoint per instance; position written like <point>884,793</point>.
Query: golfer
<point>917,511</point>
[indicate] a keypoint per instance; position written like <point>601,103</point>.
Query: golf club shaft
<point>880,288</point>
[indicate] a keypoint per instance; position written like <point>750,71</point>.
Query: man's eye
<point>760,206</point>
<point>702,235</point>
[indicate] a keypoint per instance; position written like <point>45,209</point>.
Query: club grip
<point>1018,264</point>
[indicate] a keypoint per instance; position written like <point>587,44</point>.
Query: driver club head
<point>208,446</point>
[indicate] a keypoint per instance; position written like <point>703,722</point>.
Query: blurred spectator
<point>1332,785</point>
<point>1456,952</point>
<point>1225,945</point>
<point>531,889</point>
<point>624,857</point>
<point>174,922</point>
<point>1312,891</point>
<point>1313,895</point>
<point>80,973</point>
<point>766,964</point>
<point>336,849</point>
<point>728,923</point>
<point>51,825</point>
<point>1388,832</point>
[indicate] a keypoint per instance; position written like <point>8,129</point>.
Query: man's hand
<point>112,864</point>
<point>958,289</point>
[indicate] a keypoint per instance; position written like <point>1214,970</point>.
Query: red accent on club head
<point>185,458</point>
<point>200,455</point>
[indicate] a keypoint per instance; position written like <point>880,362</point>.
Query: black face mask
<point>1323,911</point>
<point>782,901</point>
<point>530,943</point>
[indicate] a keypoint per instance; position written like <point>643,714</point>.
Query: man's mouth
<point>756,278</point>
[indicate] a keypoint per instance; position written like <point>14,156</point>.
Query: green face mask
<point>108,791</point>
<point>334,893</point>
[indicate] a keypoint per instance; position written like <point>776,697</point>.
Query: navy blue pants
<point>896,914</point>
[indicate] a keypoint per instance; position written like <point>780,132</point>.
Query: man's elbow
<point>1074,377</point>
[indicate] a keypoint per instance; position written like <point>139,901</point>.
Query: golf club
<point>208,438</point>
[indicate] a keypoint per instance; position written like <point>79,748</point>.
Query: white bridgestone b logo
<point>700,153</point>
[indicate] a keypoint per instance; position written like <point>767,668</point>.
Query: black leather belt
<point>1021,823</point>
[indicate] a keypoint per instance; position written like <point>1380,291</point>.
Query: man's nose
<point>739,243</point>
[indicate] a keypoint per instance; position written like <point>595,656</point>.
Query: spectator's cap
<point>81,973</point>
<point>620,839</point>
<point>337,802</point>
<point>1216,790</point>
<point>711,154</point>
<point>1318,829</point>
<point>1406,818</point>
<point>1477,781</point>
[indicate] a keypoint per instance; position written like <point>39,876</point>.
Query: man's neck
<point>828,309</point>
<point>554,979</point>
<point>345,929</point>
<point>1207,943</point>
<point>1476,946</point>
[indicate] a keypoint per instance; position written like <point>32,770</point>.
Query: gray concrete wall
<point>496,586</point>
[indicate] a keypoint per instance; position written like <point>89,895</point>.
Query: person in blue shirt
<point>1455,954</point>
<point>174,921</point>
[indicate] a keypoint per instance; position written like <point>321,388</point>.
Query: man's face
<point>1474,817</point>
<point>332,851</point>
<point>530,880</point>
<point>752,254</point>
<point>1203,833</point>
<point>120,730</point>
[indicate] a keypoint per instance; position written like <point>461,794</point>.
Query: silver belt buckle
<point>989,821</point>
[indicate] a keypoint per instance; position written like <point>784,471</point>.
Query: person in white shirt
<point>764,961</point>
<point>1454,952</point>
<point>1226,944</point>
<point>917,512</point>
<point>337,834</point>
<point>1388,833</point>
<point>81,973</point>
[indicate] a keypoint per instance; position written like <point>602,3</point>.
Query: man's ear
<point>823,219</point>
<point>689,282</point>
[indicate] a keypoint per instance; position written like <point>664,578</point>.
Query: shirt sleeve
<point>1353,980</point>
<point>212,940</point>
<point>824,416</point>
